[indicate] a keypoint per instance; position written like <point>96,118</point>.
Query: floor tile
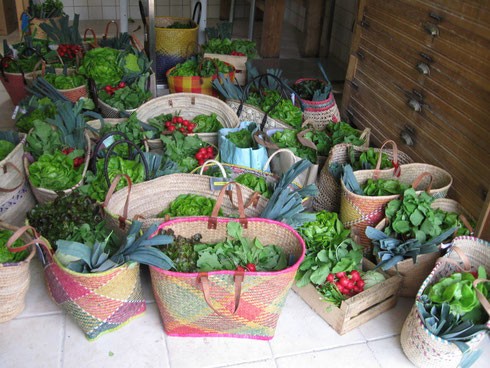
<point>38,302</point>
<point>389,354</point>
<point>192,352</point>
<point>28,342</point>
<point>389,323</point>
<point>269,363</point>
<point>354,356</point>
<point>140,343</point>
<point>300,329</point>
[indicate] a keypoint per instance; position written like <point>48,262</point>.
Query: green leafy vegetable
<point>43,139</point>
<point>207,68</point>
<point>368,160</point>
<point>287,138</point>
<point>242,138</point>
<point>34,109</point>
<point>312,90</point>
<point>383,187</point>
<point>255,183</point>
<point>237,250</point>
<point>5,148</point>
<point>227,46</point>
<point>56,171</point>
<point>7,256</point>
<point>101,65</point>
<point>181,149</point>
<point>182,252</point>
<point>61,81</point>
<point>189,205</point>
<point>329,249</point>
<point>206,123</point>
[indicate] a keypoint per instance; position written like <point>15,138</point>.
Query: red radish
<point>360,283</point>
<point>355,275</point>
<point>251,267</point>
<point>340,274</point>
<point>330,278</point>
<point>121,85</point>
<point>240,268</point>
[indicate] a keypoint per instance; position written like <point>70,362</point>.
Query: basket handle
<point>107,28</point>
<point>419,179</point>
<point>202,279</point>
<point>98,146</point>
<point>268,162</point>
<point>94,44</point>
<point>9,164</point>
<point>18,233</point>
<point>122,219</point>
<point>213,219</point>
<point>196,6</point>
<point>211,163</point>
<point>264,140</point>
<point>483,301</point>
<point>306,142</point>
<point>131,157</point>
<point>395,163</point>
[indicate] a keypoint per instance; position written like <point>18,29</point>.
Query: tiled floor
<point>43,336</point>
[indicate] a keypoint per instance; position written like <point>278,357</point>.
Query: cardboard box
<point>8,17</point>
<point>358,309</point>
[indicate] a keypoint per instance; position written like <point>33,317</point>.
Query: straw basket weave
<point>328,198</point>
<point>226,303</point>
<point>423,348</point>
<point>44,195</point>
<point>238,63</point>
<point>359,211</point>
<point>414,274</point>
<point>16,198</point>
<point>98,302</point>
<point>144,201</point>
<point>189,105</point>
<point>14,279</point>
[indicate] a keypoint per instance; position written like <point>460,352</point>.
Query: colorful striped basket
<point>226,303</point>
<point>424,349</point>
<point>98,302</point>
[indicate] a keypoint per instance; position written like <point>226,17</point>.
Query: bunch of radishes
<point>69,51</point>
<point>180,124</point>
<point>110,89</point>
<point>348,283</point>
<point>203,154</point>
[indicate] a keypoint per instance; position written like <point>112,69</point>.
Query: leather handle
<point>9,164</point>
<point>122,219</point>
<point>213,219</point>
<point>203,279</point>
<point>18,233</point>
<point>421,177</point>
<point>394,161</point>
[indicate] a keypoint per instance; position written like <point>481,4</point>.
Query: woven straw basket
<point>15,85</point>
<point>359,211</point>
<point>189,105</point>
<point>44,195</point>
<point>238,63</point>
<point>226,303</point>
<point>98,302</point>
<point>414,274</point>
<point>145,200</point>
<point>16,198</point>
<point>424,349</point>
<point>247,112</point>
<point>328,198</point>
<point>14,279</point>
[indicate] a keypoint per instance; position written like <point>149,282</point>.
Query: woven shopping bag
<point>328,198</point>
<point>320,112</point>
<point>98,302</point>
<point>144,201</point>
<point>16,198</point>
<point>187,105</point>
<point>422,347</point>
<point>196,84</point>
<point>175,45</point>
<point>15,277</point>
<point>226,303</point>
<point>413,274</point>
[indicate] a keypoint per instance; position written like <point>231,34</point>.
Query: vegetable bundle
<point>205,68</point>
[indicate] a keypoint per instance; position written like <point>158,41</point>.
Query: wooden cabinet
<point>419,73</point>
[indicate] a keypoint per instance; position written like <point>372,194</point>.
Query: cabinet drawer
<point>448,117</point>
<point>427,68</point>
<point>471,52</point>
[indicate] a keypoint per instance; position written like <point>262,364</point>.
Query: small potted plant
<point>39,12</point>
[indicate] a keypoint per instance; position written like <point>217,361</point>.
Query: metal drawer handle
<point>431,29</point>
<point>423,68</point>
<point>407,137</point>
<point>415,105</point>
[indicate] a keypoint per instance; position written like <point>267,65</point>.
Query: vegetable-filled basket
<point>227,303</point>
<point>15,194</point>
<point>14,83</point>
<point>414,274</point>
<point>15,276</point>
<point>189,105</point>
<point>424,348</point>
<point>98,302</point>
<point>329,184</point>
<point>359,211</point>
<point>321,112</point>
<point>45,195</point>
<point>144,201</point>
